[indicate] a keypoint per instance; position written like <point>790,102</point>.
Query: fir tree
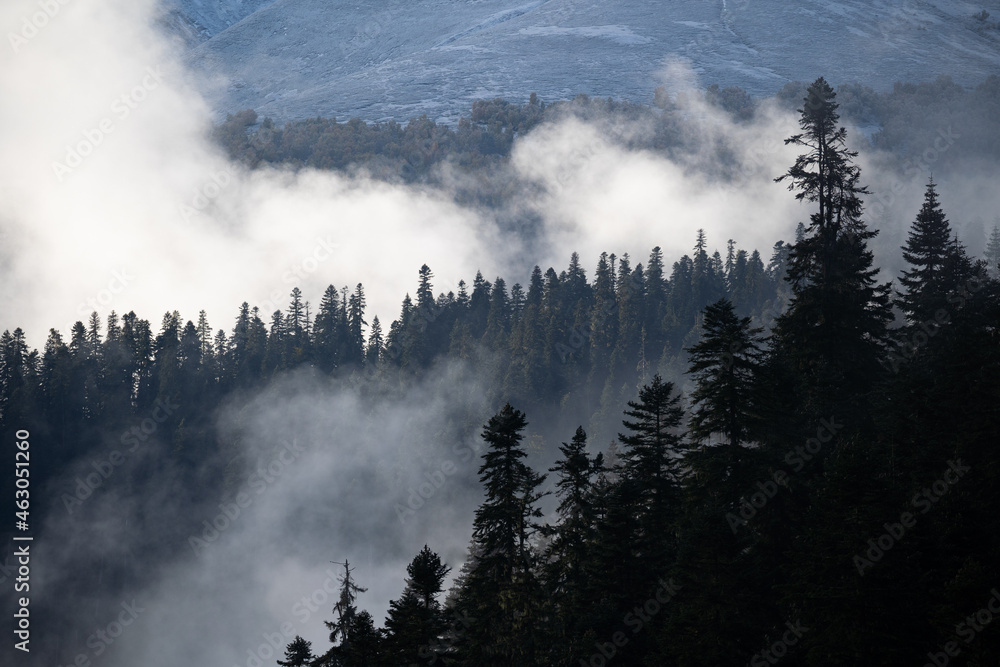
<point>204,335</point>
<point>938,262</point>
<point>479,306</point>
<point>375,343</point>
<point>326,330</point>
<point>355,325</point>
<point>723,366</point>
<point>415,623</point>
<point>298,653</point>
<point>365,649</point>
<point>425,291</point>
<point>297,343</point>
<point>517,300</point>
<point>712,555</point>
<point>500,589</point>
<point>426,576</point>
<point>604,319</point>
<point>567,558</point>
<point>656,301</point>
<point>652,463</point>
<point>498,317</point>
<point>631,298</point>
<point>17,375</point>
<point>274,360</point>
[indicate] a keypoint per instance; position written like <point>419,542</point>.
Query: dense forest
<point>904,121</point>
<point>778,457</point>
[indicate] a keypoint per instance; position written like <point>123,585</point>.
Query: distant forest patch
<point>903,122</point>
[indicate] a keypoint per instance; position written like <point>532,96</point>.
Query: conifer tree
<point>760,288</point>
<point>938,264</point>
<point>296,318</point>
<point>415,622</point>
<point>739,285</point>
<point>652,465</point>
<point>204,333</point>
<point>94,334</point>
<point>517,299</point>
<point>355,325</point>
<point>730,262</point>
<point>498,316</point>
<point>166,379</point>
<point>137,341</point>
<point>834,330</point>
<point>479,306</point>
<point>297,340</point>
<point>426,576</point>
<point>116,381</point>
<point>462,299</point>
<point>17,377</point>
<point>191,381</point>
<point>326,330</point>
<point>375,343</point>
<point>341,629</point>
<point>256,348</point>
<point>357,642</point>
<point>656,301</point>
<point>777,265</point>
<point>274,360</point>
<point>701,269</point>
<point>631,299</point>
<point>500,589</point>
<point>567,561</point>
<point>420,325</point>
<point>527,344</point>
<point>603,320</point>
<point>366,644</point>
<point>298,653</point>
<point>723,366</point>
<point>577,472</point>
<point>425,291</point>
<point>56,388</point>
<point>993,252</point>
<point>714,554</point>
<point>577,289</point>
<point>238,343</point>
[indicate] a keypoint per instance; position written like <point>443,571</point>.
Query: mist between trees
<point>678,401</point>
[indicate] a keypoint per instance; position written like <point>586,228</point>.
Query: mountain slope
<point>198,20</point>
<point>292,59</point>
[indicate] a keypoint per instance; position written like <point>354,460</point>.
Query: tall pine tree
<point>833,333</point>
<point>500,589</point>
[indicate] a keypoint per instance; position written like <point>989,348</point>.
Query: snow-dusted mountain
<point>379,59</point>
<point>198,20</point>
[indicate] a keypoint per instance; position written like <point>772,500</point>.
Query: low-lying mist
<point>313,474</point>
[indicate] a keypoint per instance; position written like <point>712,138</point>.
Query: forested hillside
<point>828,495</point>
<point>766,454</point>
